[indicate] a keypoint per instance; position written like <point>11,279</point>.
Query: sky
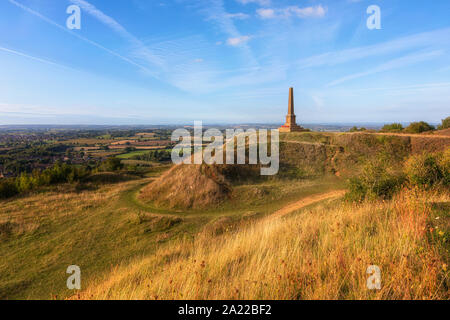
<point>223,61</point>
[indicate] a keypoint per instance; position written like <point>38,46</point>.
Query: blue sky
<point>219,61</point>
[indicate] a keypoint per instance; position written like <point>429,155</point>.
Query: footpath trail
<point>306,202</point>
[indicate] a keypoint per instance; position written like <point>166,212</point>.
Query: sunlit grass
<point>319,253</point>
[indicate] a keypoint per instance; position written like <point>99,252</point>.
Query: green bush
<point>419,127</point>
<point>444,164</point>
<point>376,181</point>
<point>7,188</point>
<point>155,155</point>
<point>445,124</point>
<point>112,164</point>
<point>427,170</point>
<point>393,127</point>
<point>356,129</point>
<point>25,182</point>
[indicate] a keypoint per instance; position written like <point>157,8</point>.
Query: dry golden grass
<point>320,253</point>
<point>25,214</point>
<point>188,186</point>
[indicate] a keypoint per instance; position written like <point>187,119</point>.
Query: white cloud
<point>63,28</point>
<point>292,11</point>
<point>392,64</point>
<point>260,2</point>
<point>141,50</point>
<point>266,13</point>
<point>238,41</point>
<point>215,11</point>
<point>424,40</point>
<point>33,57</point>
<point>314,12</point>
<point>239,15</point>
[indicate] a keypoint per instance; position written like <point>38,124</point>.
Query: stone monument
<point>291,124</point>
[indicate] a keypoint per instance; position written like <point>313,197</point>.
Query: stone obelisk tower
<point>291,124</point>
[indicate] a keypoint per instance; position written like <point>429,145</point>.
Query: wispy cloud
<point>413,87</point>
<point>140,49</point>
<point>95,44</point>
<point>292,11</point>
<point>214,10</point>
<point>420,40</point>
<point>260,2</point>
<point>238,15</point>
<point>390,65</point>
<point>238,41</point>
<point>266,13</point>
<point>33,58</point>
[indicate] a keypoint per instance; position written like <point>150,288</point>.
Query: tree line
<point>57,174</point>
<point>416,127</point>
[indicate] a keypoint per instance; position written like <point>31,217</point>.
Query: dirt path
<point>306,202</point>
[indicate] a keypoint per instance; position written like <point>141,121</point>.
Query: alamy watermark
<point>74,281</point>
<point>374,20</point>
<point>74,20</point>
<point>374,280</point>
<point>232,149</point>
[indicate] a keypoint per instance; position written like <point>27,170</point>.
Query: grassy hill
<point>320,252</point>
<point>130,245</point>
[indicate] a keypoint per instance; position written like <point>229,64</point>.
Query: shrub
<point>375,181</point>
<point>444,165</point>
<point>427,170</point>
<point>445,124</point>
<point>393,127</point>
<point>356,129</point>
<point>25,182</point>
<point>112,164</point>
<point>155,155</point>
<point>419,127</point>
<point>7,188</point>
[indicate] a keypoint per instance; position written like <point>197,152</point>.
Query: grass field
<point>275,238</point>
<point>320,252</point>
<point>99,229</point>
<point>130,155</point>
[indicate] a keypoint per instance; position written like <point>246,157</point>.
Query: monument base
<point>292,128</point>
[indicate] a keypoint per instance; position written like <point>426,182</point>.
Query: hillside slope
<point>129,248</point>
<point>319,253</point>
<point>304,156</point>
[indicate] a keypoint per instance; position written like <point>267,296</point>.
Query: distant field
<point>131,154</point>
<point>115,147</point>
<point>90,141</point>
<point>137,162</point>
<point>104,153</point>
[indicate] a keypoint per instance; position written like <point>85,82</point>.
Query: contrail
<point>95,44</point>
<point>33,58</point>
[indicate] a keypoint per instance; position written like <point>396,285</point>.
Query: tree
<point>7,188</point>
<point>445,124</point>
<point>356,129</point>
<point>393,127</point>
<point>112,164</point>
<point>419,127</point>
